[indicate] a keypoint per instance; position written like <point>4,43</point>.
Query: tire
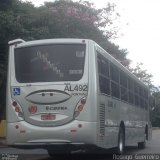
<point>142,145</point>
<point>121,141</point>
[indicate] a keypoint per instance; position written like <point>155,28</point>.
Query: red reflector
<point>32,109</point>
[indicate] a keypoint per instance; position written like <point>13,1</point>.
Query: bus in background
<point>66,94</point>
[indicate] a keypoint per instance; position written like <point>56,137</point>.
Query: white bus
<point>66,94</point>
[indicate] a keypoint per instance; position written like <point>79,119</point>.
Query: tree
<point>145,77</point>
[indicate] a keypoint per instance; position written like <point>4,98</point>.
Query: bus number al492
<point>76,88</point>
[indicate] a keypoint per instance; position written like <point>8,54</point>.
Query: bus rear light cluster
<point>17,109</point>
<point>80,106</point>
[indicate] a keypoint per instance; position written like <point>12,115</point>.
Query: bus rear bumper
<point>77,133</point>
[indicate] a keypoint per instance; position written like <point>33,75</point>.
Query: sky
<point>139,31</point>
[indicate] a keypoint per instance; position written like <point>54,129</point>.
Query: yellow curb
<point>3,129</point>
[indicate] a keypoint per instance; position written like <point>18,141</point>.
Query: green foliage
<point>146,78</point>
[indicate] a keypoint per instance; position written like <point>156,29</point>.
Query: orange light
<point>17,109</point>
<point>80,108</point>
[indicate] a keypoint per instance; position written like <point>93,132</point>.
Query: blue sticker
<point>16,91</point>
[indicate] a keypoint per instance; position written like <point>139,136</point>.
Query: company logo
<point>56,108</point>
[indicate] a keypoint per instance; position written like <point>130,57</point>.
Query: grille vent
<point>102,120</point>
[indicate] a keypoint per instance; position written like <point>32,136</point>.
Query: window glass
<point>49,63</point>
<point>136,88</point>
<point>105,68</point>
<point>146,104</point>
<point>145,93</point>
<point>131,97</point>
<point>115,90</point>
<point>130,85</point>
<point>123,79</point>
<point>124,94</point>
<point>104,85</point>
<point>142,102</point>
<point>103,72</point>
<point>137,100</point>
<point>114,73</point>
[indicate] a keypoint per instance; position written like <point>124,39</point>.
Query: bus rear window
<point>50,63</point>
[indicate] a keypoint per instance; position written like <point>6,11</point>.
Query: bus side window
<point>114,72</point>
<point>141,93</point>
<point>131,91</point>
<point>137,96</point>
<point>103,72</point>
<point>146,99</point>
<point>123,88</point>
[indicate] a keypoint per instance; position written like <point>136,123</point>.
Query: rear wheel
<point>121,141</point>
<point>142,145</point>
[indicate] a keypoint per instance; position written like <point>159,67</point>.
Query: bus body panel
<point>113,112</point>
<point>28,134</point>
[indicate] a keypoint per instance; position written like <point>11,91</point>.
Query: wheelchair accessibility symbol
<point>16,91</point>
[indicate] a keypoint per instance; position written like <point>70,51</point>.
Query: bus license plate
<point>48,117</point>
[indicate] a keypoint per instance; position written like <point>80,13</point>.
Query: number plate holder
<point>49,116</point>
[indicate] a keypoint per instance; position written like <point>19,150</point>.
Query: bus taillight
<point>80,106</point>
<point>17,109</point>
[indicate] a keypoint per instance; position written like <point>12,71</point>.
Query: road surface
<point>152,148</point>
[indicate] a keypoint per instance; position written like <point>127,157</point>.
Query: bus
<point>68,94</point>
